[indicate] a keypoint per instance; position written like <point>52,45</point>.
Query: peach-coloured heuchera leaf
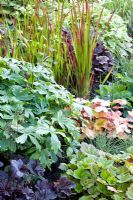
<point>105,119</point>
<point>86,132</point>
<point>101,102</point>
<point>101,108</point>
<point>121,102</point>
<point>130,114</point>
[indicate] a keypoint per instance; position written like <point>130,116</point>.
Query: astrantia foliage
<point>32,115</point>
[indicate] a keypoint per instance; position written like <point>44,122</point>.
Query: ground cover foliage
<point>66,100</point>
<point>101,175</point>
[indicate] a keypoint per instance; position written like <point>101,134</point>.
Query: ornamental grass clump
<point>79,44</point>
<point>84,42</point>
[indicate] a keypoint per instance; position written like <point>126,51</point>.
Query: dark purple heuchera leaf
<point>63,187</point>
<point>18,168</point>
<point>15,185</point>
<point>98,70</point>
<point>23,192</point>
<point>46,194</point>
<point>42,185</point>
<point>9,187</point>
<point>6,188</point>
<point>101,55</point>
<point>35,167</point>
<point>3,176</point>
<point>5,185</point>
<point>102,59</point>
<point>28,193</point>
<point>1,164</point>
<point>101,65</point>
<point>44,190</point>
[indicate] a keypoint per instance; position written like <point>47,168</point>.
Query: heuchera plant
<point>102,65</point>
<point>103,117</point>
<point>23,180</point>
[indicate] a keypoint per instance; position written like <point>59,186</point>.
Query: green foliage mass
<point>32,115</point>
<point>100,175</point>
<point>114,36</point>
<point>111,145</point>
<point>9,6</point>
<point>122,85</point>
<point>122,8</point>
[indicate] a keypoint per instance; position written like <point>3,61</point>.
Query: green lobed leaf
<point>55,143</point>
<point>129,192</point>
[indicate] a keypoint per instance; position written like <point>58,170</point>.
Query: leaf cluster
<point>32,114</point>
<point>24,180</point>
<point>122,8</point>
<point>100,175</point>
<point>122,85</point>
<point>115,36</point>
<point>102,65</point>
<point>102,117</point>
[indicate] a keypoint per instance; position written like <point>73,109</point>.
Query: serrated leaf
<point>129,192</point>
<point>123,178</point>
<point>55,143</point>
<point>118,197</point>
<point>86,198</point>
<point>7,145</point>
<point>35,142</point>
<point>21,139</point>
<point>64,121</point>
<point>80,173</point>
